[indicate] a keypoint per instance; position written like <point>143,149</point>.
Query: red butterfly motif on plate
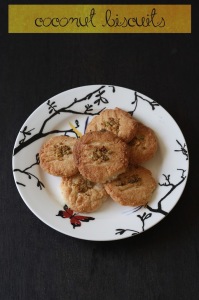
<point>75,219</point>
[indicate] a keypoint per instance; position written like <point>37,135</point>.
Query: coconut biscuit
<point>82,195</point>
<point>56,156</point>
<point>100,156</point>
<point>133,188</point>
<point>143,146</point>
<point>115,120</point>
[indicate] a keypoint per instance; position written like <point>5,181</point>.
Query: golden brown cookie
<point>115,120</point>
<point>82,195</point>
<point>100,156</point>
<point>56,156</point>
<point>143,146</point>
<point>133,188</point>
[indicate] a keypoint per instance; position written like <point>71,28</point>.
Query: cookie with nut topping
<point>100,156</point>
<point>115,120</point>
<point>143,146</point>
<point>82,195</point>
<point>133,188</point>
<point>56,156</point>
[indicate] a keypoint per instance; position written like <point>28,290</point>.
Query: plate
<point>68,113</point>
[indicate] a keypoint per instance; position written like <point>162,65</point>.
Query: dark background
<point>36,262</point>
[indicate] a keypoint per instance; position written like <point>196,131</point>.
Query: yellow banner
<point>99,18</point>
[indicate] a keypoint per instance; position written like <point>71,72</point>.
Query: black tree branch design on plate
<point>168,183</point>
<point>31,175</point>
<point>172,186</point>
<point>51,107</point>
<point>122,231</point>
<point>25,133</point>
<point>97,98</point>
<point>182,149</point>
<point>138,97</point>
<point>143,218</point>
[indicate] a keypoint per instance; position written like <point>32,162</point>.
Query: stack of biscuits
<point>105,162</point>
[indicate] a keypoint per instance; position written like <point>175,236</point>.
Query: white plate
<point>68,113</point>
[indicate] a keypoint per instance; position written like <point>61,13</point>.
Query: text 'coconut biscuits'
<point>56,156</point>
<point>143,146</point>
<point>133,188</point>
<point>117,121</point>
<point>100,156</point>
<point>81,194</point>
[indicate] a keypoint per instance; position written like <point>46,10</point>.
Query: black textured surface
<point>36,262</point>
